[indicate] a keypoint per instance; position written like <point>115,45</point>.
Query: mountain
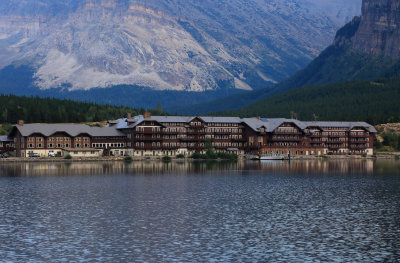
<point>175,45</point>
<point>367,48</point>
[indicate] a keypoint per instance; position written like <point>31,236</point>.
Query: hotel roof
<point>270,124</point>
<point>71,129</point>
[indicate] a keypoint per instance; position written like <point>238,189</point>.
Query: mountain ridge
<point>347,59</point>
<point>173,45</point>
<point>349,62</point>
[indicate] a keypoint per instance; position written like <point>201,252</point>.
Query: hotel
<point>152,136</point>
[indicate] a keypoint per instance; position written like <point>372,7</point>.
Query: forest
<point>372,101</point>
<point>50,110</point>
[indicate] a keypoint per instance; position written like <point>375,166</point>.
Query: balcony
<point>335,146</point>
<point>253,147</point>
<point>358,147</point>
<point>148,139</point>
<point>287,133</point>
<point>148,132</point>
<point>359,136</point>
<point>222,133</point>
<point>172,132</point>
<point>196,147</point>
<point>285,139</point>
<point>362,140</point>
<point>196,132</point>
<point>334,141</point>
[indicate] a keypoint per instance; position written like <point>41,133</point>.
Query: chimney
<point>129,116</point>
<point>147,115</point>
<point>20,122</point>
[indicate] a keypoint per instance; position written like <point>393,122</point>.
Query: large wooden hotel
<point>147,135</point>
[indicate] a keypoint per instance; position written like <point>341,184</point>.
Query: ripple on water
<point>223,216</point>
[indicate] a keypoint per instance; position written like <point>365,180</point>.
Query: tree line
<point>371,101</point>
<point>50,110</point>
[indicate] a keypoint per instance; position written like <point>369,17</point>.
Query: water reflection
<point>201,212</point>
<point>184,167</point>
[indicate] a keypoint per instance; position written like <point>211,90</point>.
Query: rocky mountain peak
<point>378,29</point>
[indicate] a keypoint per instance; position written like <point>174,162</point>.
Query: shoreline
<point>381,156</point>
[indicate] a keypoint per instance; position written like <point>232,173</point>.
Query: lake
<point>302,211</point>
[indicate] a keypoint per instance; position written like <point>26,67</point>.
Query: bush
<point>227,156</point>
<point>128,159</point>
<point>180,156</point>
<point>68,157</point>
<point>166,159</point>
<point>197,155</point>
<point>364,155</point>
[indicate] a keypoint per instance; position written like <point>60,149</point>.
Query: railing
<point>223,132</point>
<point>148,139</point>
<point>196,147</point>
<point>196,132</point>
<point>254,147</point>
<point>336,146</point>
<point>359,136</point>
<point>364,140</point>
<point>148,132</point>
<point>289,139</point>
<point>358,147</point>
<point>334,141</point>
<point>155,147</point>
<point>287,133</point>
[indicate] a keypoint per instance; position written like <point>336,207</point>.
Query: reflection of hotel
<point>172,135</point>
<point>311,166</point>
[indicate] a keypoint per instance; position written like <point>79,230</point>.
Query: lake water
<point>302,211</point>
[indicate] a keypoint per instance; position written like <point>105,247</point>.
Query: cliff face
<point>379,28</point>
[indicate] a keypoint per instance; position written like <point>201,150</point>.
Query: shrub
<point>128,159</point>
<point>227,156</point>
<point>364,155</point>
<point>166,159</point>
<point>196,155</point>
<point>180,156</point>
<point>68,157</point>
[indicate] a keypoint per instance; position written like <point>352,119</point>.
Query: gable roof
<point>221,119</point>
<point>71,129</point>
<point>342,124</point>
